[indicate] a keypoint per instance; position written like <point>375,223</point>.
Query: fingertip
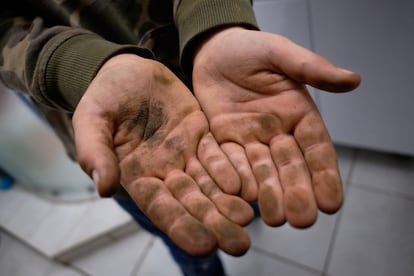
<point>331,206</point>
<point>234,208</point>
<point>95,177</point>
<point>303,220</point>
<point>94,146</point>
<point>193,237</point>
<point>105,189</point>
<point>331,209</point>
<point>331,78</point>
<point>348,80</point>
<point>356,80</point>
<point>239,247</point>
<point>232,238</point>
<point>350,73</point>
<point>328,191</point>
<point>270,203</point>
<point>300,208</point>
<point>249,193</point>
<point>106,176</point>
<point>304,223</point>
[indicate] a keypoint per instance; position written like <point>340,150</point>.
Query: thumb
<point>307,67</point>
<point>94,144</point>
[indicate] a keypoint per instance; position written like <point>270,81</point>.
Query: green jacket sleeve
<point>54,65</point>
<point>195,18</point>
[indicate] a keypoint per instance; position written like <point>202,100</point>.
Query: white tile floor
<point>372,235</point>
<point>67,225</point>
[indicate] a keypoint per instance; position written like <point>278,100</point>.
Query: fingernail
<point>95,177</point>
<point>346,71</point>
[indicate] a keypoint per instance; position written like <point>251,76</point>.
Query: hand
<point>138,125</point>
<point>251,86</point>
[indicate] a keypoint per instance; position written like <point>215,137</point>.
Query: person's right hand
<point>137,124</point>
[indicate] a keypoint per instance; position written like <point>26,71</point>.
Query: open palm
<point>138,125</point>
<point>251,86</point>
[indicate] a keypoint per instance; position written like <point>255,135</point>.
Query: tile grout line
<point>73,267</point>
<point>141,259</point>
<point>35,251</point>
<point>23,242</point>
<point>385,192</point>
<point>338,219</point>
<point>285,260</point>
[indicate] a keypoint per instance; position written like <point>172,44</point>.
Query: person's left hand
<point>251,86</point>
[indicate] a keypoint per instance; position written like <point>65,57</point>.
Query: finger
<point>94,145</point>
<point>238,158</point>
<point>299,202</point>
<point>217,165</point>
<point>313,138</point>
<point>307,67</point>
<point>170,216</point>
<point>231,238</point>
<point>232,207</point>
<point>270,191</point>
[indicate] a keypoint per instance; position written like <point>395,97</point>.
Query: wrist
<point>207,42</point>
<point>196,20</point>
<point>73,63</point>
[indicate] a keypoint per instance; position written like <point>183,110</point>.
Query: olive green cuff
<point>196,18</point>
<point>73,61</point>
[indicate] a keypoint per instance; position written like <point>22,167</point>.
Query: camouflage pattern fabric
<point>146,23</point>
<point>33,31</point>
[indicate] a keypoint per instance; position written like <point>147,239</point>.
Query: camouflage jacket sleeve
<point>45,52</point>
<point>54,64</point>
<point>195,18</point>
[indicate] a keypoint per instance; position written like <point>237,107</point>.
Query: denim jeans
<point>189,265</point>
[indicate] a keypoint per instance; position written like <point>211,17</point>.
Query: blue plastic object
<point>6,182</point>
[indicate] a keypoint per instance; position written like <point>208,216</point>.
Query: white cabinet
<point>375,38</point>
<point>288,18</point>
<point>372,37</point>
